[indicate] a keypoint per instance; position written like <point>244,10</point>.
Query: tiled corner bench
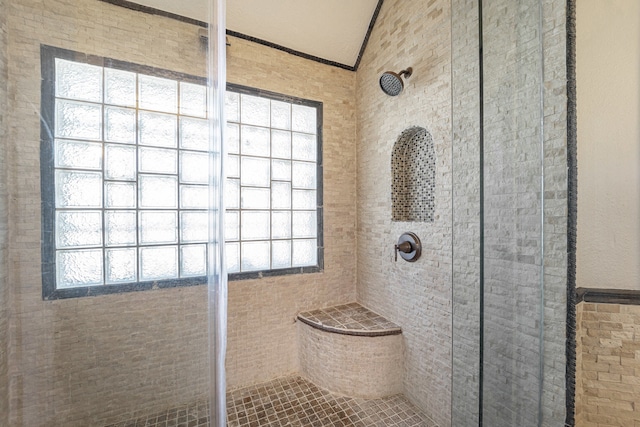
<point>349,349</point>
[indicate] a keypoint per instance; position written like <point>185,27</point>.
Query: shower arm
<point>406,72</point>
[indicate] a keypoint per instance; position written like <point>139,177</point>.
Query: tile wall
<point>514,249</point>
<point>608,365</point>
<point>65,353</point>
<point>4,283</point>
<point>554,121</point>
<point>512,211</point>
<point>355,366</point>
<point>91,361</point>
<point>413,176</point>
<point>466,211</point>
<point>98,360</point>
<point>262,332</point>
<point>416,296</point>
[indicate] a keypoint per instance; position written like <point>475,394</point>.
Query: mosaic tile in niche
<point>413,171</point>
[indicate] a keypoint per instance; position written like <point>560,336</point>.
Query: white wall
<point>608,85</point>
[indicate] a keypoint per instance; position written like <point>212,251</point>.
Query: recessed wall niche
<point>413,168</point>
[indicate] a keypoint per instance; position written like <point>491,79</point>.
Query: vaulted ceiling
<point>332,30</point>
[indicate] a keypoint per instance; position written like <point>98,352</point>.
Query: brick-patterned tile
<point>608,365</point>
<point>92,361</point>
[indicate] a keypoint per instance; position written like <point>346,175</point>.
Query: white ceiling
<point>329,29</point>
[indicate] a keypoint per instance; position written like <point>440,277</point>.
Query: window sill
<point>234,277</point>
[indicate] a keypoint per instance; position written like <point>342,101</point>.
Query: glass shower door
<point>110,185</point>
<point>217,272</point>
<point>512,239</point>
<point>498,213</point>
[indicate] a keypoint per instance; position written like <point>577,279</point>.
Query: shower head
<point>391,83</point>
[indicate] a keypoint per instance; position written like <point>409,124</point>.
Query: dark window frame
<point>48,56</point>
<point>319,267</point>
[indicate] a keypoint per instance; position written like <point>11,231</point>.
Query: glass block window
<point>273,189</point>
<point>124,176</point>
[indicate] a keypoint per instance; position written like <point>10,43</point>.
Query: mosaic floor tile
<point>295,402</point>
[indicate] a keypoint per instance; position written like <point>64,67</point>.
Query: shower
<point>391,83</point>
<point>121,219</point>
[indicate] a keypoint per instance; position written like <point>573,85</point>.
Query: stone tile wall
<point>512,76</point>
<point>514,161</point>
<point>608,365</point>
<point>4,283</point>
<point>354,366</point>
<point>98,360</point>
<point>416,296</point>
<point>579,405</point>
<point>554,51</point>
<point>466,212</point>
<point>262,333</point>
<point>95,360</point>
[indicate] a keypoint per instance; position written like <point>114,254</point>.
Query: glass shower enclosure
<point>507,208</point>
<point>112,156</point>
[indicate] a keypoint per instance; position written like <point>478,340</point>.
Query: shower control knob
<point>409,247</point>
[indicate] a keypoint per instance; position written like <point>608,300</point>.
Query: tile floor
<point>293,401</point>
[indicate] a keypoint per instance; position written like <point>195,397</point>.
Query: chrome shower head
<point>391,83</point>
